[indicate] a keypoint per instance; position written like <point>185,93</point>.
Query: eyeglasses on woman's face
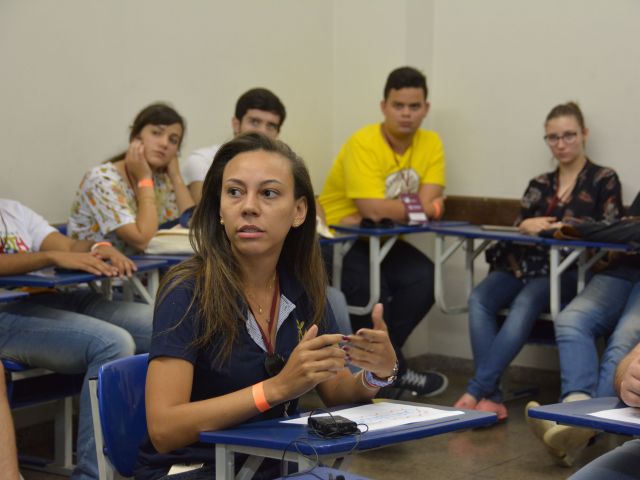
<point>568,138</point>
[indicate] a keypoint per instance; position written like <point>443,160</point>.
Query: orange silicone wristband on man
<point>436,206</point>
<point>99,244</point>
<point>259,398</point>
<point>145,182</point>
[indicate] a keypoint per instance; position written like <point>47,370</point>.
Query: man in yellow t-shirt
<point>375,166</point>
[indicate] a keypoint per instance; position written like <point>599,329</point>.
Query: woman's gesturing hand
<point>371,348</point>
<point>314,360</point>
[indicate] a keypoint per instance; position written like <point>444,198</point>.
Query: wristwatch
<point>376,381</point>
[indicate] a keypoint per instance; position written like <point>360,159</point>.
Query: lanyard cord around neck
<point>266,338</point>
<point>404,172</point>
<point>556,200</point>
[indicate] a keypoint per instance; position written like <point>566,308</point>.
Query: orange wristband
<point>258,397</point>
<point>99,244</point>
<point>436,206</point>
<point>145,182</point>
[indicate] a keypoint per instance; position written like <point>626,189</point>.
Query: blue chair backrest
<point>122,410</point>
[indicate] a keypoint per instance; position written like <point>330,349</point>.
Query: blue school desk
<point>380,242</point>
<point>170,259</point>
<point>174,259</point>
<point>51,278</point>
<point>465,235</point>
<point>10,295</point>
<point>577,413</point>
<point>271,438</point>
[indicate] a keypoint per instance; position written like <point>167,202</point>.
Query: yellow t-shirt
<point>367,167</point>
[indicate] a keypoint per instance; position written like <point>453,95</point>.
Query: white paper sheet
<point>380,415</point>
<point>627,414</point>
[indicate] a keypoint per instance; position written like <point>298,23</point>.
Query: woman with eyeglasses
<point>576,190</point>
<point>243,329</point>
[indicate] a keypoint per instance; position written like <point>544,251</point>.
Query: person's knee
<point>117,343</point>
<point>478,300</point>
<point>571,323</point>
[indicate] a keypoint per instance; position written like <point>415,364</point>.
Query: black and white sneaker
<point>422,384</point>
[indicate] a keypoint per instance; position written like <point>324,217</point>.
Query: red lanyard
<point>272,317</point>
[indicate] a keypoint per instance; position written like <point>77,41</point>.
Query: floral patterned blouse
<point>596,196</point>
<point>105,202</point>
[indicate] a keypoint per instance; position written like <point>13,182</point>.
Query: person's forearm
<point>19,263</point>
<point>8,454</point>
<point>81,246</point>
<point>195,189</point>
<point>180,425</point>
<point>346,388</point>
<point>183,196</point>
<point>147,217</point>
<point>377,209</point>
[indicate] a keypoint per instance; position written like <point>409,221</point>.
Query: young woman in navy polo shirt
<point>242,330</point>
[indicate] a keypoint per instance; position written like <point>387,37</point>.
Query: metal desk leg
<point>339,251</point>
<point>305,463</point>
<point>442,255</point>
<point>139,288</point>
<point>556,268</point>
<point>585,264</point>
<point>250,467</point>
<point>554,280</point>
<point>153,282</point>
<point>376,256</point>
<point>225,462</point>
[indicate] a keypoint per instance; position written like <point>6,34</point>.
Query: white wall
<point>498,67</point>
<point>501,65</point>
<point>75,72</point>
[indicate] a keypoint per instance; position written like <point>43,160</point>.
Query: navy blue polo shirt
<point>175,329</point>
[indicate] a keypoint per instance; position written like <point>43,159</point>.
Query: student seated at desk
<point>257,110</point>
<point>374,170</point>
<point>609,308</point>
<point>622,463</point>
<point>519,275</point>
<point>125,199</point>
<point>70,331</point>
<point>8,454</point>
<point>242,329</point>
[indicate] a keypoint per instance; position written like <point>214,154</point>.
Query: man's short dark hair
<point>260,99</point>
<point>405,77</point>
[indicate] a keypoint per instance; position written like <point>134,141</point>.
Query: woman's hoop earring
<point>221,221</point>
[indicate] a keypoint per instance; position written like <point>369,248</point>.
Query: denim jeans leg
<point>625,336</point>
<point>64,342</point>
<point>492,294</point>
<point>529,302</point>
<point>590,315</point>
<point>136,318</point>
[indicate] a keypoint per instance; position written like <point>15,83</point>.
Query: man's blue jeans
<point>608,306</point>
<point>75,332</point>
<point>494,346</point>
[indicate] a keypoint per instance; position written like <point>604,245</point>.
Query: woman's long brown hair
<point>214,269</point>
